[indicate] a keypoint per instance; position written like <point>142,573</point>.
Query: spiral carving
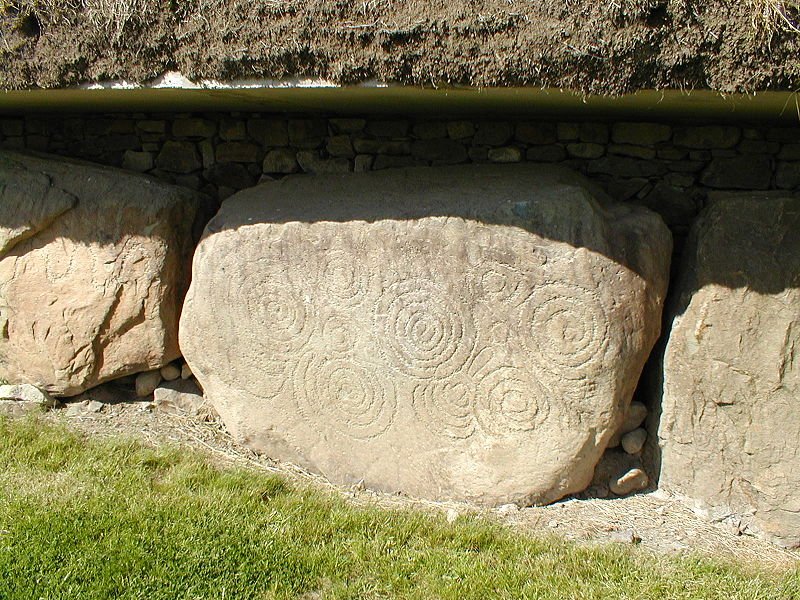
<point>447,407</point>
<point>426,333</point>
<point>510,400</point>
<point>565,327</point>
<point>342,278</point>
<point>352,398</point>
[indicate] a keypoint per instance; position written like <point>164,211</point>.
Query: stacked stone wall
<point>669,168</point>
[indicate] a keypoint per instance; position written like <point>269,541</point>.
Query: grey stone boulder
<point>94,263</point>
<point>471,333</point>
<point>730,424</point>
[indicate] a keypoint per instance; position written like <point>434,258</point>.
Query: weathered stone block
<point>430,130</point>
<point>197,128</point>
<point>282,160</point>
<point>731,420</point>
<point>367,146</point>
<point>463,332</point>
<point>343,126</point>
<point>307,133</point>
<point>507,154</point>
<point>787,175</point>
<point>232,175</point>
<point>640,134</point>
<point>536,133</point>
<point>232,130</point>
<point>493,133</point>
<point>626,167</point>
<point>712,136</point>
<point>460,130</point>
<point>239,152</point>
<point>178,157</point>
<point>388,128</point>
<point>140,162</point>
<point>340,145</point>
<point>93,266</point>
<point>269,132</point>
<point>552,153</point>
<point>311,162</point>
<point>790,152</point>
<point>585,150</point>
<point>738,173</point>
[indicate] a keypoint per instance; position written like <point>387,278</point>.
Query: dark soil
<point>589,45</point>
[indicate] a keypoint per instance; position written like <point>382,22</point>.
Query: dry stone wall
<point>669,168</point>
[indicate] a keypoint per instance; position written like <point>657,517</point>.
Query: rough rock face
<point>471,333</point>
<point>93,267</point>
<point>730,428</point>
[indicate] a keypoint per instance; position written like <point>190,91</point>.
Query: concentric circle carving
<point>510,400</point>
<point>425,332</point>
<point>447,407</point>
<point>565,327</point>
<point>343,278</point>
<point>340,393</point>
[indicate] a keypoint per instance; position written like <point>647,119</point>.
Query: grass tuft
<point>114,519</point>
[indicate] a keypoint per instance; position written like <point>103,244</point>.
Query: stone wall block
<point>194,128</point>
<point>505,155</point>
<point>232,130</point>
<point>585,150</point>
<point>790,152</point>
<point>363,163</point>
<point>568,132</point>
<point>546,154</point>
<point>137,161</point>
<point>536,133</point>
<point>708,137</point>
<point>307,134</point>
<point>12,127</point>
<point>385,161</point>
<point>460,130</point>
<point>643,152</point>
<point>151,126</point>
<point>311,162</point>
<point>430,130</point>
<point>179,157</point>
<point>493,133</point>
<point>347,126</point>
<point>620,166</point>
<point>640,134</point>
<point>241,152</point>
<point>594,133</point>
<point>739,173</point>
<point>281,161</point>
<point>268,132</point>
<point>232,175</point>
<point>340,146</point>
<point>787,175</point>
<point>393,148</point>
<point>388,128</point>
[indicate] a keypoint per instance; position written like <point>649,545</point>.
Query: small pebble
<point>633,442</point>
<point>94,406</point>
<point>624,536</point>
<point>170,373</point>
<point>637,413</point>
<point>146,383</point>
<point>507,509</point>
<point>634,480</point>
<point>186,371</point>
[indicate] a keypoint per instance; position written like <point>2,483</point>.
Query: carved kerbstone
<point>470,333</point>
<point>730,428</point>
<point>94,263</point>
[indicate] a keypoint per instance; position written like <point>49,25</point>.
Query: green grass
<point>99,519</point>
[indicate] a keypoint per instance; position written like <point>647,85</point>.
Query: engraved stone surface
<point>93,266</point>
<point>463,332</point>
<point>730,425</point>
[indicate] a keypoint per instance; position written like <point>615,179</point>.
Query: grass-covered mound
<point>97,519</point>
<point>599,47</point>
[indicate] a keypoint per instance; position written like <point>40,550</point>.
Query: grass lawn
<point>101,519</point>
